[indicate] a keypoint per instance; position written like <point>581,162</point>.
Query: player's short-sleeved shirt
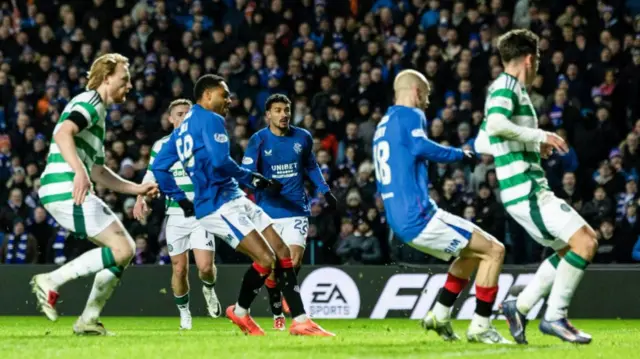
<point>401,150</point>
<point>180,175</point>
<point>57,177</point>
<point>518,167</point>
<point>286,159</point>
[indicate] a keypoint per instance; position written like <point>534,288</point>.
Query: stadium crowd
<point>335,59</point>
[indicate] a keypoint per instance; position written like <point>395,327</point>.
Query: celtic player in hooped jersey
<point>184,233</point>
<point>510,133</point>
<point>76,157</point>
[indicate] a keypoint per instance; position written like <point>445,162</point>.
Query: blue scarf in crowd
<point>58,246</point>
<point>18,246</point>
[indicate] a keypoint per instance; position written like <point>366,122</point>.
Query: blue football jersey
<point>401,150</point>
<point>201,144</point>
<point>286,159</point>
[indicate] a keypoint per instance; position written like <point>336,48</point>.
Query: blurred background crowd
<point>336,60</point>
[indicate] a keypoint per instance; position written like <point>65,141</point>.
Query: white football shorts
<point>235,219</point>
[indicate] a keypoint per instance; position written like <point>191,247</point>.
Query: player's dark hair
<point>517,43</point>
<point>205,83</point>
<point>276,98</point>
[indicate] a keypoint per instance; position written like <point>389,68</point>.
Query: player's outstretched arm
<point>161,166</point>
<point>103,175</point>
<point>216,141</point>
<point>499,113</point>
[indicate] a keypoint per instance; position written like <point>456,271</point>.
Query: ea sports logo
<point>330,293</point>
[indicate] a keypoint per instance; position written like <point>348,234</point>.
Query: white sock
<point>88,263</point>
<point>442,312</point>
<point>103,286</point>
<point>570,272</point>
<point>239,311</point>
<point>182,302</point>
<point>479,322</point>
<point>278,316</point>
<point>301,318</point>
<point>540,285</point>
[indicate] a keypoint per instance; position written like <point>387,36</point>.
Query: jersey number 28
<point>381,156</point>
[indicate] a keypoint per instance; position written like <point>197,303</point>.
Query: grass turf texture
<point>139,337</point>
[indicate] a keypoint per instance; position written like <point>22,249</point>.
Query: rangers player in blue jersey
<point>283,153</point>
<point>401,154</point>
<point>201,144</point>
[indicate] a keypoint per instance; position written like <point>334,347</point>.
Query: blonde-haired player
<point>184,233</point>
<point>76,157</point>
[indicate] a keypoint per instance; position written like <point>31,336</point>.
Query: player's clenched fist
<point>149,190</point>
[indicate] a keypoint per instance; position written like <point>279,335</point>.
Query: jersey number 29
<point>381,155</point>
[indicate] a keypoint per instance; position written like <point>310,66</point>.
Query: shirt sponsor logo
<point>268,152</point>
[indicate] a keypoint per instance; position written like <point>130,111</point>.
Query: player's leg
<point>180,287</point>
<point>92,219</point>
<point>273,291</point>
<point>447,236</point>
<point>288,284</point>
<point>177,233</point>
<point>203,245</point>
<point>116,238</point>
<point>583,246</point>
<point>233,225</point>
<point>540,285</point>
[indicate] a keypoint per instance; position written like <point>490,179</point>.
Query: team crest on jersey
<point>297,147</point>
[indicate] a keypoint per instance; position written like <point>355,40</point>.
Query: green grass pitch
<point>138,338</point>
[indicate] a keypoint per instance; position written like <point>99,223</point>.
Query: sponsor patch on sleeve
<point>247,160</point>
<point>221,138</point>
<point>418,132</point>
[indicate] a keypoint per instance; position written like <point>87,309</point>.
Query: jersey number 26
<point>381,156</point>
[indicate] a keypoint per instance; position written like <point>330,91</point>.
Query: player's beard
<point>120,96</point>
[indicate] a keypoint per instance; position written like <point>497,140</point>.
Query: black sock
<point>484,309</point>
<point>288,283</point>
<point>447,297</point>
<point>251,283</point>
<point>275,300</point>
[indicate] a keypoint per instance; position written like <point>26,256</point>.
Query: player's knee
<point>205,269</point>
<point>123,253</point>
<point>497,251</point>
<point>180,270</point>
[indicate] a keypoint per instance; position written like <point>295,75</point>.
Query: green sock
<point>208,284</point>
<point>182,302</point>
<point>570,271</point>
<point>539,286</point>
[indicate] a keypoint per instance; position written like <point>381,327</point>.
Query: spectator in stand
<point>337,63</point>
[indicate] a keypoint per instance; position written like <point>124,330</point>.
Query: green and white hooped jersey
<point>57,179</point>
<point>182,178</point>
<point>518,168</point>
